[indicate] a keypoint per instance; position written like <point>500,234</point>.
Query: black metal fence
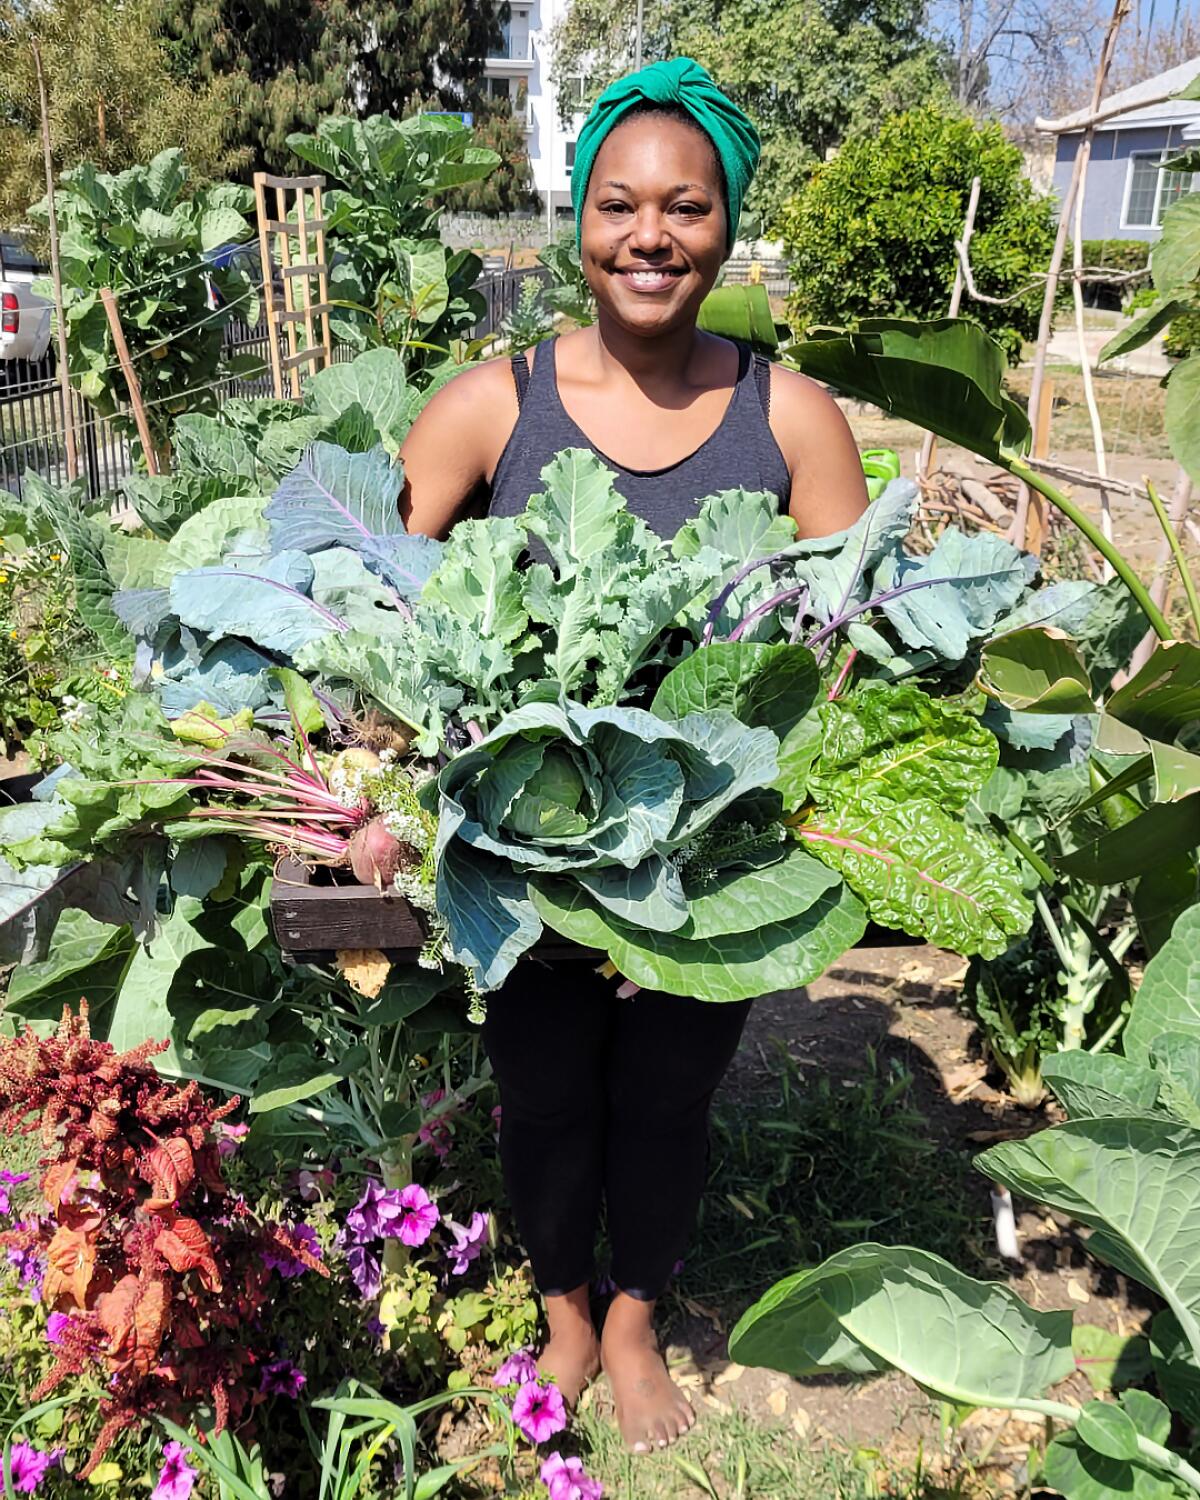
<point>31,418</point>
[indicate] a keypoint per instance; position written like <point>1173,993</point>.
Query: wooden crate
<point>312,921</point>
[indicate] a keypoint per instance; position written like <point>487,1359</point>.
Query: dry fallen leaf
<point>777,1402</point>
<point>1078,1292</point>
<point>364,969</point>
<point>730,1372</point>
<point>801,1422</point>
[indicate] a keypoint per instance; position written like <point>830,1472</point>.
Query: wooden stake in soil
<point>131,380</point>
<point>64,373</point>
<point>929,446</point>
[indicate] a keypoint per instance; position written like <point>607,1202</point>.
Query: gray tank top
<point>741,454</point>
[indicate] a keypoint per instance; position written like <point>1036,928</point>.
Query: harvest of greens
<point>714,759</point>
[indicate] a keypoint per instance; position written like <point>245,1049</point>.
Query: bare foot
<point>571,1355</point>
<point>652,1412</point>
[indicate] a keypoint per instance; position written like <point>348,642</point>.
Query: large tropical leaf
<point>744,313</point>
<point>873,1307</point>
<point>945,375</point>
<point>1168,999</point>
<point>920,868</point>
<point>1135,1183</point>
<point>1037,670</point>
<point>1181,415</point>
<point>1163,698</point>
<point>735,966</point>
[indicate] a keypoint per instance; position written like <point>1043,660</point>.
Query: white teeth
<point>649,278</point>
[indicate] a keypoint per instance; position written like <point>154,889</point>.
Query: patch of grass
<point>733,1456</point>
<point>1131,409</point>
<point>808,1166</point>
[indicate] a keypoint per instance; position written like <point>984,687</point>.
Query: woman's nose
<point>649,228</point>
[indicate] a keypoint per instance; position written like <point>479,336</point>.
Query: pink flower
<point>282,1378</point>
<point>539,1412</point>
<point>518,1369</point>
<point>28,1466</point>
<point>230,1137</point>
<point>277,1258</point>
<point>437,1134</point>
<point>469,1240</point>
<point>176,1477</point>
<point>419,1219</point>
<point>8,1180</point>
<point>565,1479</point>
<point>497,1117</point>
<point>56,1326</point>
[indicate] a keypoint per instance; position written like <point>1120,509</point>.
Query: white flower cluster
<point>705,856</point>
<point>347,783</point>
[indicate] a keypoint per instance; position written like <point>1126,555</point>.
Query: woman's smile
<point>651,280</point>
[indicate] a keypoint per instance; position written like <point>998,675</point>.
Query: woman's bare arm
<point>829,489</point>
<point>454,445</point>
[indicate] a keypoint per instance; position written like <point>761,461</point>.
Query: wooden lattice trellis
<point>294,223</point>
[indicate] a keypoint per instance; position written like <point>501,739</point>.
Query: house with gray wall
<point>1127,192</point>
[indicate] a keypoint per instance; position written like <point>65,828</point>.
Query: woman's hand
<point>829,488</point>
<point>453,447</point>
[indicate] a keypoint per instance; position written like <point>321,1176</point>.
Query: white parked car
<point>24,316</point>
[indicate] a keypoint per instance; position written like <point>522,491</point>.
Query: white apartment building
<point>521,74</point>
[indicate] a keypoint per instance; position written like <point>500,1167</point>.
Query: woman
<point>605,1098</point>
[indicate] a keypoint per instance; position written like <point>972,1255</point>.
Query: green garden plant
<point>1124,1165</point>
<point>138,233</point>
<point>872,230</point>
<point>395,280</point>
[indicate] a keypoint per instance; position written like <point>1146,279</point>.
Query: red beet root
<point>375,854</point>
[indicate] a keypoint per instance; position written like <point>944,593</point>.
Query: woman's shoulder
<point>797,395</point>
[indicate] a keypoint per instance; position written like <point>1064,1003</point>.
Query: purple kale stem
<point>842,675</point>
<point>797,623</point>
<point>838,621</point>
<point>765,609</point>
<point>714,609</point>
<point>474,731</point>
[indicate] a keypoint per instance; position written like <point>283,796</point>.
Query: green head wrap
<point>685,83</point>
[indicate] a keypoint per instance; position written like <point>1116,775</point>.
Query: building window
<point>573,90</point>
<point>570,156</point>
<point>1149,191</point>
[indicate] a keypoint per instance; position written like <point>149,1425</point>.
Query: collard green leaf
<point>88,960</point>
<point>738,966</point>
<point>1080,1473</point>
<point>768,686</point>
<point>901,743</point>
<point>333,498</point>
<point>141,1012</point>
<point>1092,1086</point>
<point>923,870</point>
<point>224,522</point>
<point>741,900</point>
<point>1135,1183</point>
<point>376,382</point>
<point>837,568</point>
<point>1106,1429</point>
<point>1109,1360</point>
<point>1168,999</point>
<point>270,605</point>
<point>1176,1366</point>
<point>873,1306</point>
<point>206,446</point>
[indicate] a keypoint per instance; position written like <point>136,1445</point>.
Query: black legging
<point>602,1096</point>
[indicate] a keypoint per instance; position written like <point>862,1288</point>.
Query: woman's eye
<point>614,208</point>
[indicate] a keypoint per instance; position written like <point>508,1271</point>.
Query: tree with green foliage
<point>808,73</point>
<point>294,61</point>
<point>113,99</point>
<point>872,232</point>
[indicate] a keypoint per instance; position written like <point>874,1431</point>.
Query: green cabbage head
<point>601,796</point>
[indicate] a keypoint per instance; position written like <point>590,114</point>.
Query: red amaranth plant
<point>161,1276</point>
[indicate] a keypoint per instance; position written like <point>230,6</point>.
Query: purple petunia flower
<point>374,1326</point>
<point>56,1326</point>
<point>8,1180</point>
<point>366,1270</point>
<point>375,1212</point>
<point>30,1268</point>
<point>282,1378</point>
<point>469,1240</point>
<point>539,1411</point>
<point>230,1138</point>
<point>436,1134</point>
<point>277,1258</point>
<point>176,1478</point>
<point>518,1369</point>
<point>28,1466</point>
<point>566,1480</point>
<point>419,1218</point>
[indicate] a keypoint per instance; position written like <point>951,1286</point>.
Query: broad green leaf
<point>478,580</point>
<point>741,312</point>
<point>901,743</point>
<point>873,1306</point>
<point>1168,999</point>
<point>778,955</point>
<point>336,499</point>
<point>768,686</point>
<point>203,445</point>
<point>1143,328</point>
<point>577,514</point>
<point>1175,255</point>
<point>141,1013</point>
<point>946,375</point>
<point>1037,670</point>
<point>296,1076</point>
<point>1106,1429</point>
<point>920,868</point>
<point>1161,896</point>
<point>164,501</point>
<point>87,960</point>
<point>739,525</point>
<point>1094,1086</point>
<point>199,866</point>
<point>135,562</point>
<point>1135,1183</point>
<point>204,538</point>
<point>1080,1473</point>
<point>1176,1367</point>
<point>741,900</point>
<point>222,226</point>
<point>376,382</point>
<point>269,606</point>
<point>1181,415</point>
<point>1164,697</point>
<point>1161,833</point>
<point>1109,1359</point>
<point>300,700</point>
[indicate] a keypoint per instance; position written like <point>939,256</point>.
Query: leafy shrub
<point>1183,336</point>
<point>1120,256</point>
<point>138,234</point>
<point>872,232</point>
